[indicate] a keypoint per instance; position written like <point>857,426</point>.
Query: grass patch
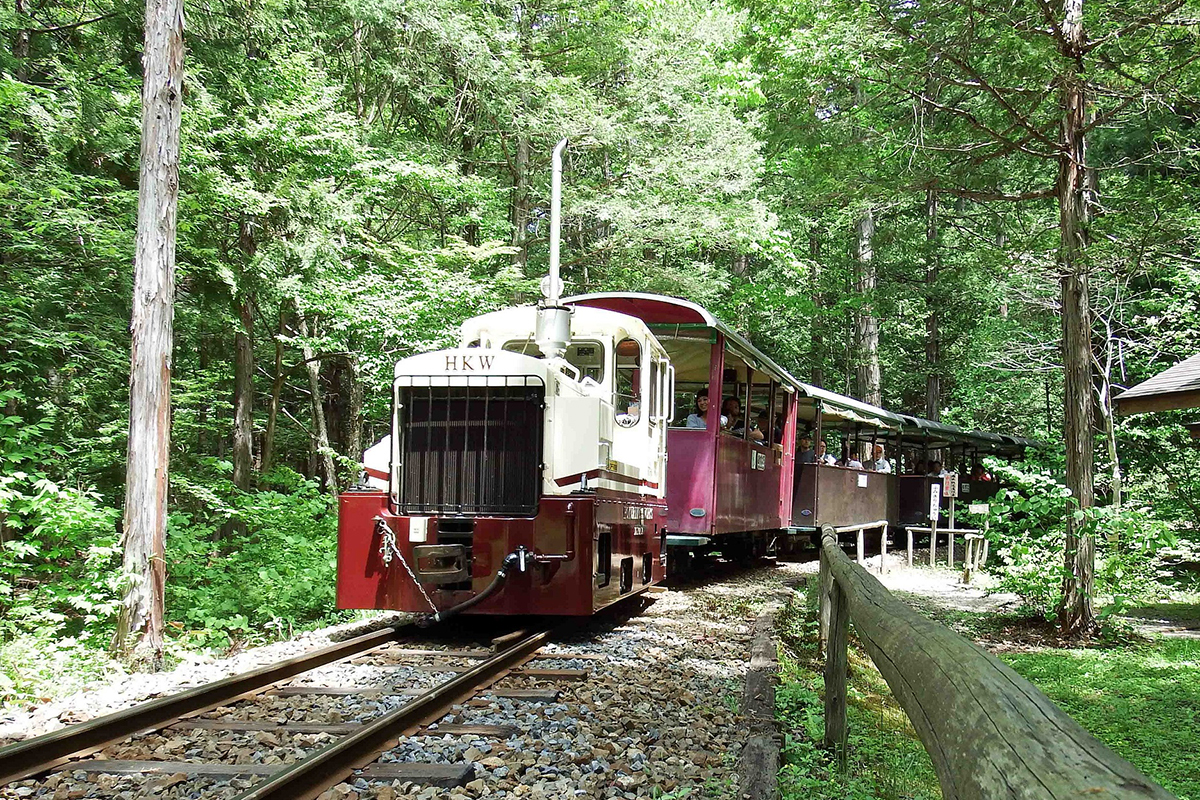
<point>1143,701</point>
<point>885,760</point>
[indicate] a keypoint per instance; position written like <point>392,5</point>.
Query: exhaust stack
<point>553,332</point>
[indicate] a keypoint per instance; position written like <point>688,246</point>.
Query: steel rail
<point>309,778</point>
<point>31,757</point>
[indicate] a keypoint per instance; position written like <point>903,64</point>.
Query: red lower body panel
<point>597,548</point>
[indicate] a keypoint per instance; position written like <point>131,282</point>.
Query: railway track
<point>323,763</point>
<point>42,753</point>
<point>626,704</point>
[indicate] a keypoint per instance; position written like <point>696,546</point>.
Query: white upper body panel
<point>607,399</point>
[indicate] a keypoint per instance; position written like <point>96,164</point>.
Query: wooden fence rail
<point>989,732</point>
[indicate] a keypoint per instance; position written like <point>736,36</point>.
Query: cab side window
<point>627,399</point>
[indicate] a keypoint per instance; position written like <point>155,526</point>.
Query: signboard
<point>950,484</point>
<point>935,500</point>
<point>978,508</point>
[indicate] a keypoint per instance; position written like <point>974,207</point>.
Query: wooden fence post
<point>861,536</point>
<point>824,584</point>
<point>835,674</point>
<point>883,549</point>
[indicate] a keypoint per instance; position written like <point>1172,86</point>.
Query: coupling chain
<point>388,550</point>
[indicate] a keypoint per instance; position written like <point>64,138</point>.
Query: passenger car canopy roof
<point>928,433</point>
<point>662,312</point>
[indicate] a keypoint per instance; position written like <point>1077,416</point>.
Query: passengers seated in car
<point>807,454</point>
<point>878,462</point>
<point>824,457</point>
<point>758,433</point>
<point>935,470</point>
<point>699,417</point>
<point>735,422</point>
<point>850,459</point>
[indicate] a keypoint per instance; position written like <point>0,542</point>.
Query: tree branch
<point>72,25</point>
<point>1133,27</point>
<point>1106,117</point>
<point>972,194</point>
<point>1018,117</point>
<point>1048,13</point>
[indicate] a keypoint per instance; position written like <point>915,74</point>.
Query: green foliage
<point>1141,700</point>
<point>60,575</point>
<point>252,586</point>
<point>886,760</point>
<point>1028,530</point>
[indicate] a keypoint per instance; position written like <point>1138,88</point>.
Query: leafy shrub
<point>252,585</point>
<point>1028,524</point>
<point>59,572</point>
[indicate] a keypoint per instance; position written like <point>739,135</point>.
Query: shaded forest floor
<point>1136,687</point>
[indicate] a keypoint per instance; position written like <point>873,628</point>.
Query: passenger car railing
<point>989,732</point>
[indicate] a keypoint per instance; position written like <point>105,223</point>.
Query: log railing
<point>989,732</point>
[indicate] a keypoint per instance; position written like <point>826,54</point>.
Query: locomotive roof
<point>629,322</point>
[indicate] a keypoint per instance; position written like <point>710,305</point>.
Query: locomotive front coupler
<point>518,559</point>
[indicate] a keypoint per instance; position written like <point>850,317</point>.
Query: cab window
<point>526,347</point>
<point>627,398</point>
<point>588,358</point>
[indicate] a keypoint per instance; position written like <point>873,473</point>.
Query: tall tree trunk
<point>520,205</point>
<point>20,51</point>
<point>471,229</point>
<point>320,432</point>
<point>268,448</point>
<point>866,324</point>
<point>1110,426</point>
<point>817,318</point>
<point>1076,613</point>
<point>335,402</point>
<point>202,360</point>
<point>243,397</point>
<point>145,523</point>
<point>933,344</point>
<point>243,407</point>
<point>354,408</point>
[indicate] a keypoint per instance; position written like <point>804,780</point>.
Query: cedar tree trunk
<point>866,324</point>
<point>145,523</point>
<point>320,431</point>
<point>933,344</point>
<point>1076,613</point>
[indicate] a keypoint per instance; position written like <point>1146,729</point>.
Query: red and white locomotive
<point>535,451</point>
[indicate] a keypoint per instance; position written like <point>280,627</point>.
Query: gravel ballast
<point>658,712</point>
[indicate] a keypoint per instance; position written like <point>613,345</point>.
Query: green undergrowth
<point>243,569</point>
<point>885,758</point>
<point>1141,699</point>
<point>1139,696</point>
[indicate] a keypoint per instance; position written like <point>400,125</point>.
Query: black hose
<point>511,560</point>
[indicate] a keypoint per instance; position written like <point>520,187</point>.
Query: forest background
<point>865,190</point>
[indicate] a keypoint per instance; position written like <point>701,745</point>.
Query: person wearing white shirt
<point>878,462</point>
<point>824,457</point>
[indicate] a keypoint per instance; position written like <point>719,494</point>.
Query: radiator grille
<point>470,450</point>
